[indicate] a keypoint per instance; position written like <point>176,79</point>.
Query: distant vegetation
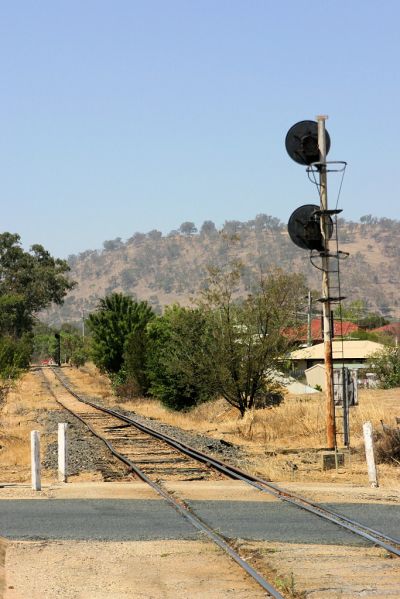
<point>386,365</point>
<point>29,282</point>
<point>226,346</point>
<point>74,347</point>
<point>164,269</point>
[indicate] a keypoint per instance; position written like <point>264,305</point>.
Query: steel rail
<point>180,506</point>
<point>390,544</point>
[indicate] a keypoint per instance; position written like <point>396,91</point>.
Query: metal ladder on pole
<point>340,381</point>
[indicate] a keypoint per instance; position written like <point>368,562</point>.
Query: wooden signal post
<point>326,302</point>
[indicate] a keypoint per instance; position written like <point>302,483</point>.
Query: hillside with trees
<point>166,269</point>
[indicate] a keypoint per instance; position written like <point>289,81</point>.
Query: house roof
<point>352,350</point>
<point>340,329</point>
<point>351,366</point>
<point>393,328</point>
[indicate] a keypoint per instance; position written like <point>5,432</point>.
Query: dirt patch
<point>344,493</point>
<point>81,490</point>
<point>151,570</point>
<point>326,572</point>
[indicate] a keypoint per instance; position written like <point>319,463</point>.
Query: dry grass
<point>18,418</point>
<point>91,381</point>
<point>283,442</point>
<point>297,422</point>
<point>276,438</point>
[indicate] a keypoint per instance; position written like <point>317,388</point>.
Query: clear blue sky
<point>127,116</point>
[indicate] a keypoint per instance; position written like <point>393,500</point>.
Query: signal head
<point>302,142</point>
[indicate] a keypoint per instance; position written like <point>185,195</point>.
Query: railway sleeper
<point>162,461</point>
<point>117,427</point>
<point>175,471</point>
<point>150,453</point>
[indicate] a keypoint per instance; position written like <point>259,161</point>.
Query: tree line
<point>224,346</point>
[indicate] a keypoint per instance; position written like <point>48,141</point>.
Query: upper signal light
<point>302,142</point>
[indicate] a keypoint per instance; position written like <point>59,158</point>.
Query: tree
<point>386,365</point>
<point>112,244</point>
<point>368,219</point>
<point>154,235</point>
<point>187,228</point>
<point>41,342</point>
<point>29,282</point>
<point>232,227</point>
<point>14,355</point>
<point>74,350</point>
<point>265,221</point>
<point>137,238</point>
<point>128,278</point>
<point>372,320</point>
<point>208,229</point>
<point>177,369</point>
<point>246,344</point>
<point>357,311</point>
<point>117,315</point>
<point>135,374</point>
<point>354,311</point>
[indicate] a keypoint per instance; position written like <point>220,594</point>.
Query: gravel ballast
<point>86,453</point>
<point>220,448</point>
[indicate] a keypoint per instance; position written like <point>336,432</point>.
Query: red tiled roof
<point>392,328</point>
<point>300,333</point>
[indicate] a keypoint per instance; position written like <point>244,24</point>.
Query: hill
<point>172,268</point>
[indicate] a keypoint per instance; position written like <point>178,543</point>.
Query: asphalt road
<point>106,519</point>
<point>283,522</point>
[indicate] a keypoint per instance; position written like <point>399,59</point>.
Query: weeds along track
<point>181,462</point>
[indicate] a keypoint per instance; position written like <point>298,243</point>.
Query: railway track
<point>106,425</point>
<point>160,457</point>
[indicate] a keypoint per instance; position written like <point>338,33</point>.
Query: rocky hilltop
<point>172,268</point>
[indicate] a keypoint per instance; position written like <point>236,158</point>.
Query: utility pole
<point>326,304</point>
<point>83,323</point>
<point>309,332</point>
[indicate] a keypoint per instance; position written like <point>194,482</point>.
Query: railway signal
<point>311,227</point>
<point>58,348</point>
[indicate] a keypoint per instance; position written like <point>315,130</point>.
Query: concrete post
<point>35,460</point>
<point>62,452</point>
<point>369,453</point>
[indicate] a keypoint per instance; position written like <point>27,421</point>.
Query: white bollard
<point>369,453</point>
<point>35,460</point>
<point>62,452</point>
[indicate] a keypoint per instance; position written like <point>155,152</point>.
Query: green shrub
<point>176,342</point>
<point>386,365</point>
<point>117,316</point>
<point>78,357</point>
<point>14,356</point>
